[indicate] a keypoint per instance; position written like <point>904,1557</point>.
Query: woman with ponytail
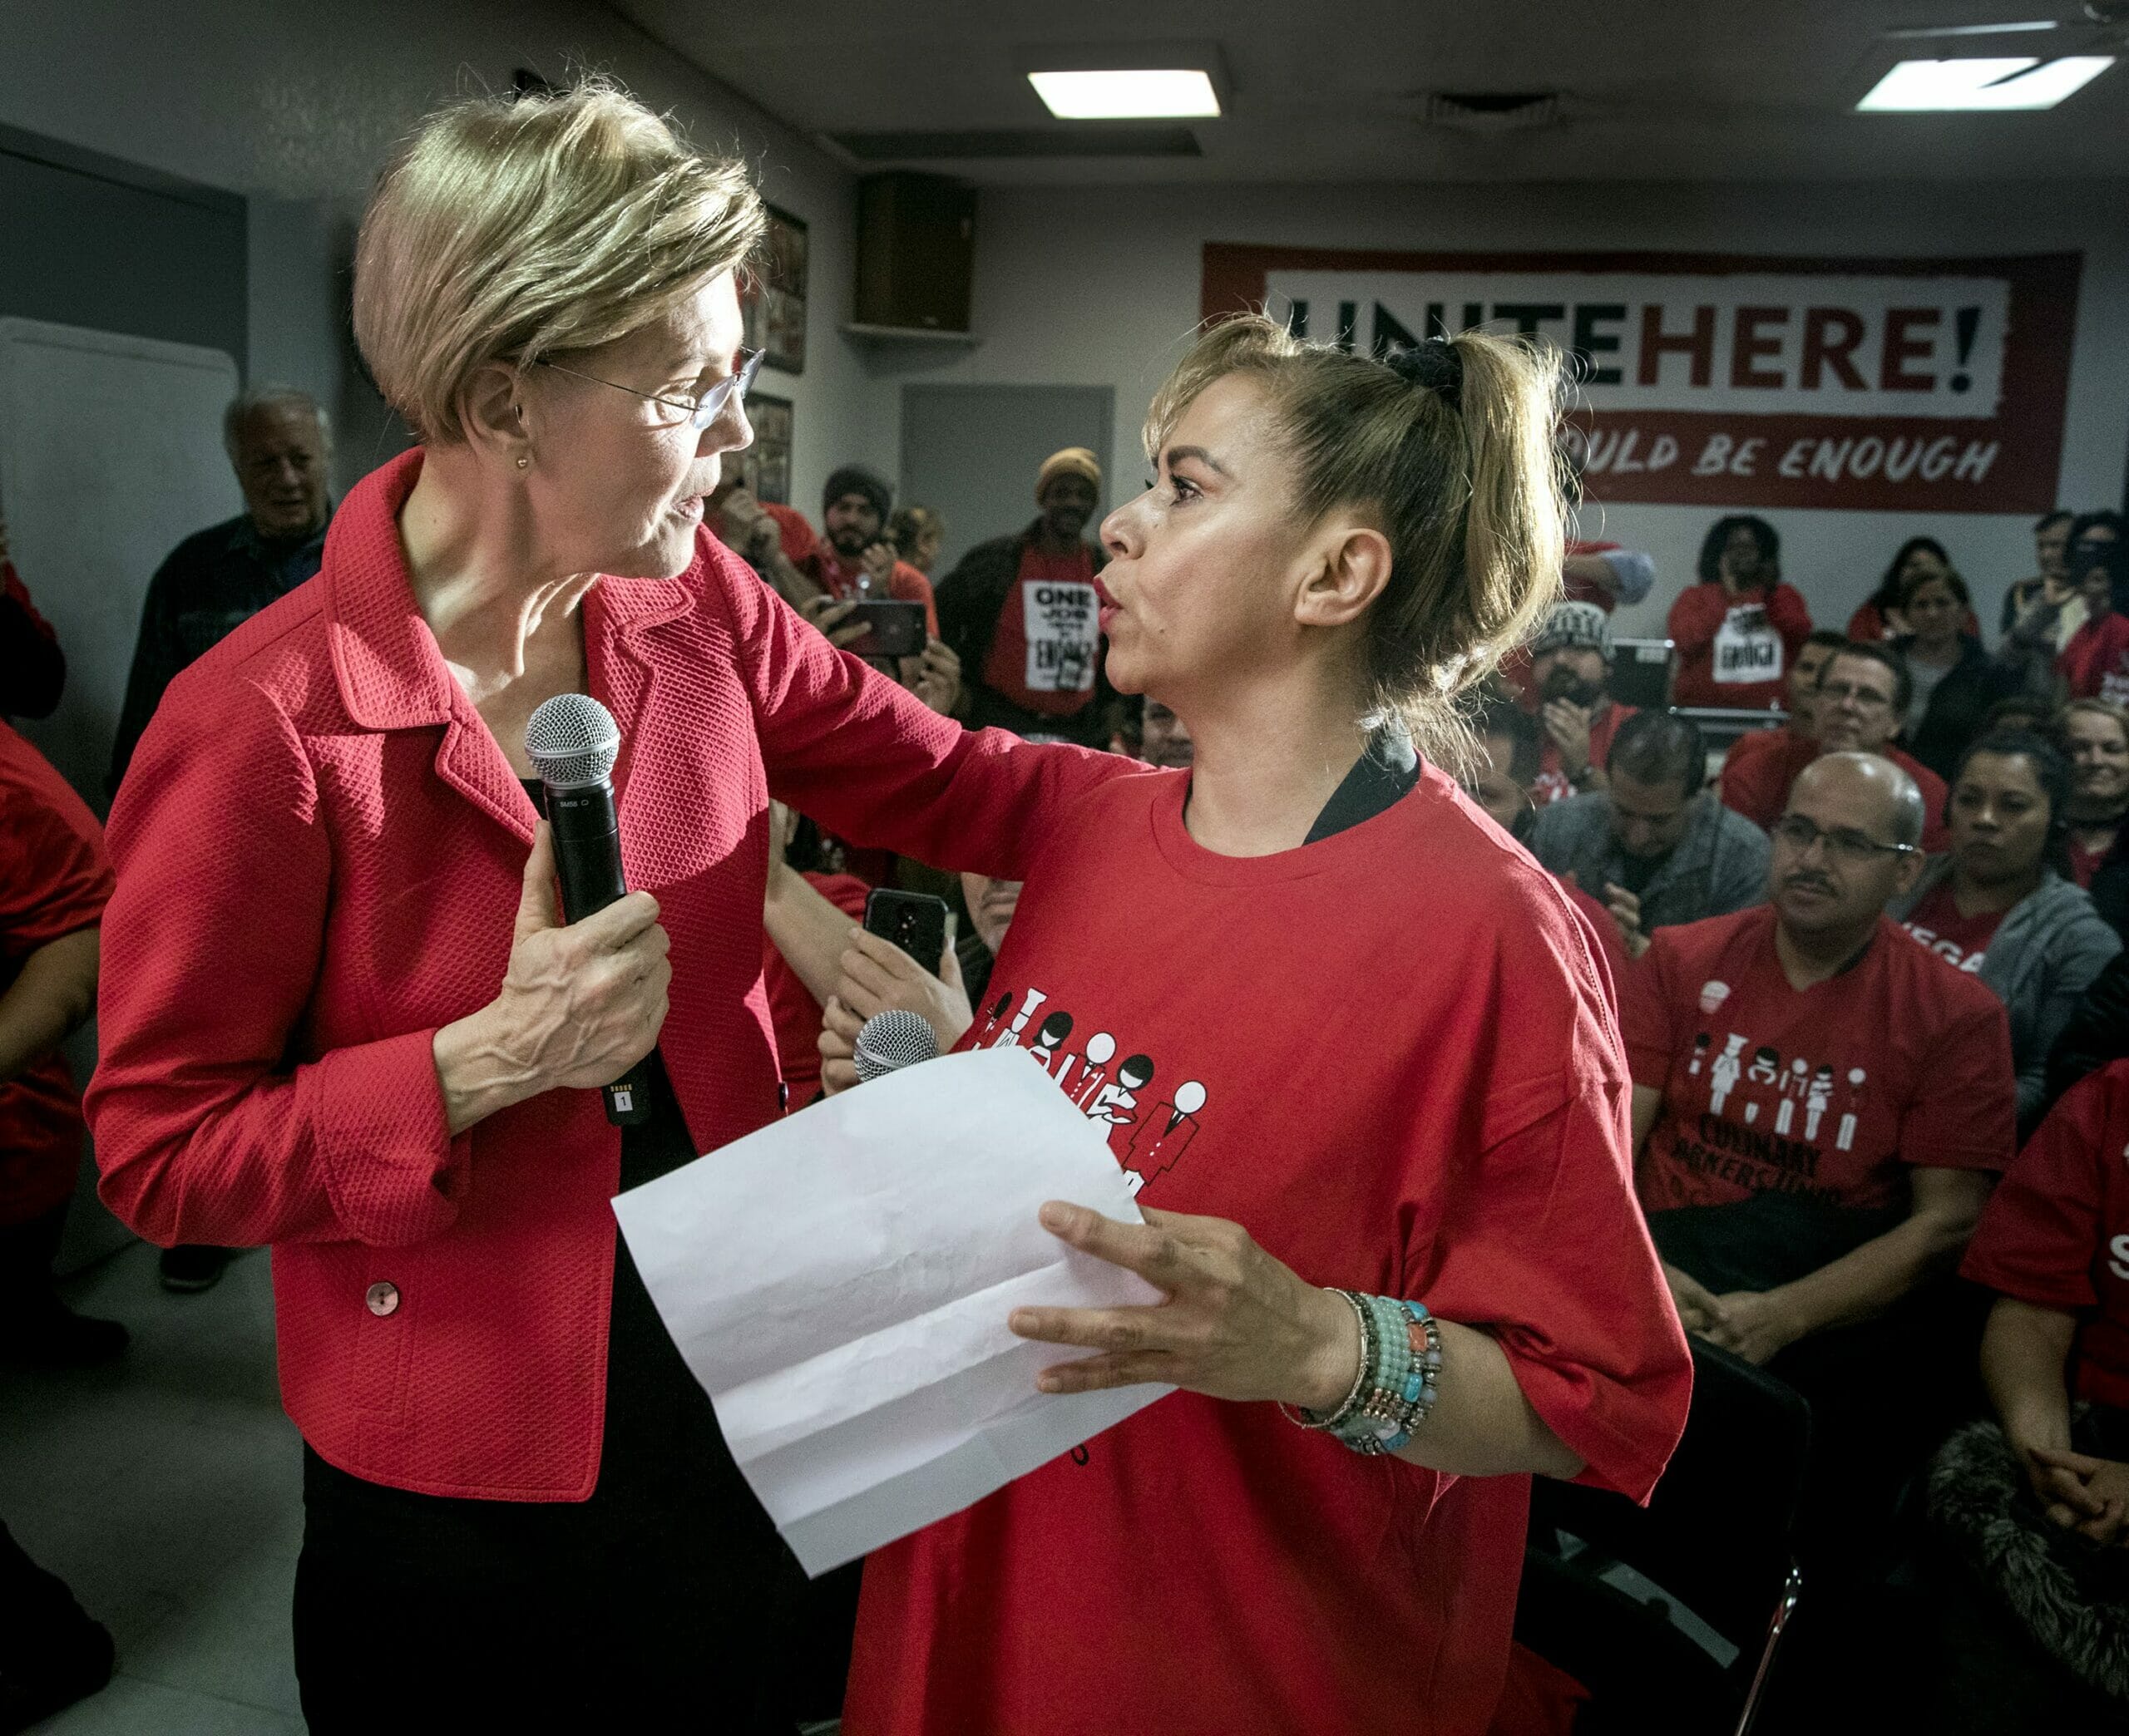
<point>1357,1055</point>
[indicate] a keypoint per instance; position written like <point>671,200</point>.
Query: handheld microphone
<point>892,1040</point>
<point>574,741</point>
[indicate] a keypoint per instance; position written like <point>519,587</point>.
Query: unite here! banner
<point>1727,381</point>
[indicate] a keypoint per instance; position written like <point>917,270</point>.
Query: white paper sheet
<point>839,1284</point>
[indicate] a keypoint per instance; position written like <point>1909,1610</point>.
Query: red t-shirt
<point>2095,663</point>
<point>1551,784</point>
<point>2084,863</point>
<point>838,578</point>
<point>1048,668</point>
<point>1726,656</point>
<point>1404,1083</point>
<point>1957,940</point>
<point>1757,783</point>
<point>55,879</point>
<point>2055,1231</point>
<point>1827,1091</point>
<point>794,1015</point>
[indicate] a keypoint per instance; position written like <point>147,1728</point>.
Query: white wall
<point>298,105</point>
<point>1100,286</point>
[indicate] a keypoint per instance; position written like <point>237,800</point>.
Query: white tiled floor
<point>166,1490</point>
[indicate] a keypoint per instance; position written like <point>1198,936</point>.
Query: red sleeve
<point>55,877</point>
<point>2041,1228</point>
<point>1645,1000</point>
<point>1866,626</point>
<point>1790,616</point>
<point>1695,618</point>
<point>792,530</point>
<point>1968,1118</point>
<point>1544,1247</point>
<point>856,752</point>
<point>205,1132</point>
<point>912,586</point>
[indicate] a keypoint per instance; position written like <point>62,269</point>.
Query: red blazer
<point>319,848</point>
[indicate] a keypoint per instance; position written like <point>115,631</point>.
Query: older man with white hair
<point>280,444</point>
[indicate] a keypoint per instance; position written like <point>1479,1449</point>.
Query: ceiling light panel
<point>1995,85</point>
<point>1142,94</point>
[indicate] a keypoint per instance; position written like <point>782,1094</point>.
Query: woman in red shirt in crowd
<point>2095,664</point>
<point>2034,1505</point>
<point>1343,1032</point>
<point>340,1013</point>
<point>1740,628</point>
<point>1881,617</point>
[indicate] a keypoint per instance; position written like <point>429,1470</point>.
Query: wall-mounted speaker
<point>916,251</point>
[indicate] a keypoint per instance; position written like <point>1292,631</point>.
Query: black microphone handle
<point>588,859</point>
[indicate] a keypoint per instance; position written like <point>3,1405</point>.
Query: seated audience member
<point>806,922</point>
<point>2094,664</point>
<point>1738,629</point>
<point>2050,585</point>
<point>916,532</point>
<point>1862,700</point>
<point>1022,613</point>
<point>1802,687</point>
<point>32,668</point>
<point>1505,760</point>
<point>1654,846</point>
<point>1997,906</point>
<point>1881,618</point>
<point>2098,1031</point>
<point>1953,681</point>
<point>55,879</point>
<point>1821,1095</point>
<point>2028,712</point>
<point>1570,670</point>
<point>771,538</point>
<point>2032,1508</point>
<point>2095,734</point>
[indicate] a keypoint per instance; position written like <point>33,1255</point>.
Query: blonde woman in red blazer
<point>339,1015</point>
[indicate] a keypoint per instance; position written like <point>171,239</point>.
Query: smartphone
<point>915,921</point>
<point>898,628</point>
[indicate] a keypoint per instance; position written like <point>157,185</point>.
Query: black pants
<point>26,1251</point>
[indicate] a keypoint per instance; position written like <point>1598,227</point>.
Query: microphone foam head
<point>892,1040</point>
<point>574,740</point>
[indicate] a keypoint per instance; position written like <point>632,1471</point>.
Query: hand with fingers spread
<point>1235,1324</point>
<point>580,1005</point>
<point>1567,725</point>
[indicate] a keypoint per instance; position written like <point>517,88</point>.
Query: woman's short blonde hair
<point>510,229</point>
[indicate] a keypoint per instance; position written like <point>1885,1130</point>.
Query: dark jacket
<point>2098,1032</point>
<point>1958,704</point>
<point>971,600</point>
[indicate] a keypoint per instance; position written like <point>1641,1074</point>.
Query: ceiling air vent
<point>1492,112</point>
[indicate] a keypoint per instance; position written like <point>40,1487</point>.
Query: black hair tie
<point>1436,365</point>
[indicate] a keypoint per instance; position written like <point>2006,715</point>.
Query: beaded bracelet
<point>1398,1379</point>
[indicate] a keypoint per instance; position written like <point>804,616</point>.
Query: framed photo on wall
<point>766,463</point>
<point>774,305</point>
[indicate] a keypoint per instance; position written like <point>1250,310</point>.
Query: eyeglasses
<point>701,411</point>
<point>1866,697</point>
<point>1842,845</point>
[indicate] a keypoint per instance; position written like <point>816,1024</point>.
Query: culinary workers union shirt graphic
<point>1827,1091</point>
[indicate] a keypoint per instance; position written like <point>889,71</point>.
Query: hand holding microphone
<point>582,1000</point>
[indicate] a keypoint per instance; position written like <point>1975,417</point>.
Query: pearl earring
<point>525,464</point>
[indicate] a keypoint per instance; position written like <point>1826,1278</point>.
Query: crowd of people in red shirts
<point>1868,972</point>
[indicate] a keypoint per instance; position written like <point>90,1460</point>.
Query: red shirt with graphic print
<point>2055,1231</point>
<point>1831,1090</point>
<point>1054,675</point>
<point>1957,940</point>
<point>1774,623</point>
<point>1445,1119</point>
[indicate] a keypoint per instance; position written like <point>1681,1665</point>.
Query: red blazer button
<point>383,1299</point>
